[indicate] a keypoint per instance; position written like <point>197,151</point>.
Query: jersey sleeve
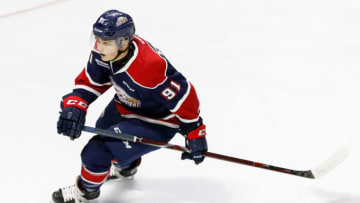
<point>179,96</point>
<point>94,79</point>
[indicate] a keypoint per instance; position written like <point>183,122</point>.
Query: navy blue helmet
<point>114,25</point>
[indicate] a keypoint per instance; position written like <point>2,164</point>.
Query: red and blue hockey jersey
<point>147,87</point>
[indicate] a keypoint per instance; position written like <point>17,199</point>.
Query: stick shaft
<point>132,138</point>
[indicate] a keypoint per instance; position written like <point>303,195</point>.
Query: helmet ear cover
<point>120,41</point>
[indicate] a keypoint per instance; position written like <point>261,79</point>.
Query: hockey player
<point>152,100</point>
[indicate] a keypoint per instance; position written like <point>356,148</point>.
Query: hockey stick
<point>328,165</point>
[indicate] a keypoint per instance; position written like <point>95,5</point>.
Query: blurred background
<point>278,83</point>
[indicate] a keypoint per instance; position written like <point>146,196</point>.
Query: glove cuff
<point>197,133</point>
<point>75,101</point>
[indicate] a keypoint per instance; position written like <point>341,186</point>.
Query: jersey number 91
<point>170,92</point>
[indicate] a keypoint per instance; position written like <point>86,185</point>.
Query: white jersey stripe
<point>181,101</point>
<point>95,173</point>
<point>132,59</point>
<point>93,82</point>
<point>187,120</point>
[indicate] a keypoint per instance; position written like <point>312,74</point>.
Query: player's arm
<point>180,97</point>
<point>93,80</point>
<point>89,85</point>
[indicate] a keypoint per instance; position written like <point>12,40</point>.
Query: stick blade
<point>330,163</point>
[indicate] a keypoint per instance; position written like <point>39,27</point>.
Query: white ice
<point>278,81</point>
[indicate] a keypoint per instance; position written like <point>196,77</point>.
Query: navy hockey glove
<point>72,116</point>
<point>196,142</point>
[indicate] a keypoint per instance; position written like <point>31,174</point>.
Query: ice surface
<point>278,81</point>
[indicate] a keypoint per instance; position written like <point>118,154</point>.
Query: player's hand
<point>196,142</point>
<point>72,116</point>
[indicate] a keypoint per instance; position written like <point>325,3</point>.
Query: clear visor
<point>120,41</point>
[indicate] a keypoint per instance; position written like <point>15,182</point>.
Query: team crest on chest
<point>125,98</point>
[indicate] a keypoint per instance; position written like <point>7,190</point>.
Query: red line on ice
<point>30,9</point>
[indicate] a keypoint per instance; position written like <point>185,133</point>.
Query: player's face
<point>108,49</point>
